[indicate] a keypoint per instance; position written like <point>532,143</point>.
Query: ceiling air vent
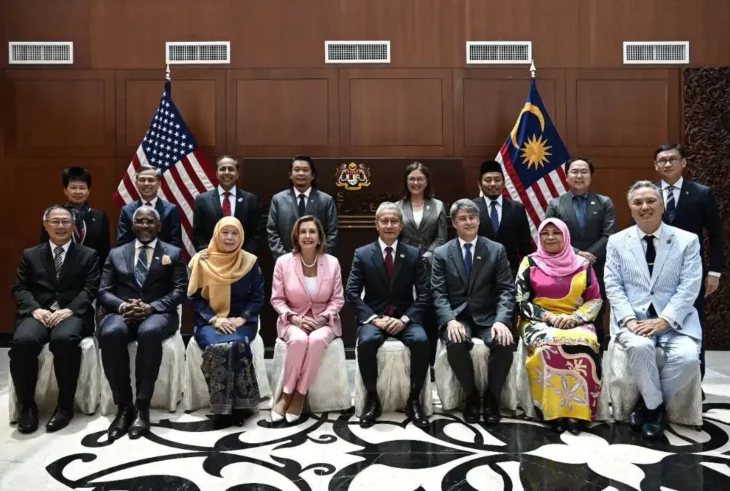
<point>196,53</point>
<point>41,53</point>
<point>498,52</point>
<point>656,53</point>
<point>357,51</point>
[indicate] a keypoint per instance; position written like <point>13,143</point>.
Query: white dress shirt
<point>231,198</point>
<point>657,235</point>
<point>473,248</point>
<point>677,191</point>
<point>150,250</point>
<point>305,193</point>
<point>153,202</point>
<point>383,245</point>
<point>63,254</point>
<point>499,206</point>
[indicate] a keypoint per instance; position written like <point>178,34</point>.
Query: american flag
<point>170,147</point>
<point>532,158</point>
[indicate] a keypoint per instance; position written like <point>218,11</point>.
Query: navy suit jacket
<point>514,230</point>
<point>368,271</point>
<point>208,212</point>
<point>171,227</point>
<point>164,288</point>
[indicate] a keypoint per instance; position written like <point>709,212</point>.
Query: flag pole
<point>533,70</point>
<point>167,72</point>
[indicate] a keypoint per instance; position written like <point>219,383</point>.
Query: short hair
<point>322,248</point>
<point>55,207</point>
<point>681,149</point>
<point>490,166</point>
<point>78,174</point>
<point>227,157</point>
<point>591,167</point>
<point>428,192</point>
<point>147,168</point>
<point>146,208</point>
<point>463,204</point>
<point>307,159</point>
<point>388,205</point>
<point>644,184</point>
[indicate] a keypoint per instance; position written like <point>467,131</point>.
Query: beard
<point>491,196</point>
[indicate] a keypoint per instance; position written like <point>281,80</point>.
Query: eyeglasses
<point>145,221</point>
<point>673,161</point>
<point>414,180</point>
<point>386,222</point>
<point>59,223</point>
<point>581,172</point>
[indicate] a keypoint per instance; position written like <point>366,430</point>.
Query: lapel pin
<point>669,240</point>
<point>402,255</point>
<point>240,199</point>
<point>686,193</point>
<point>157,258</point>
<point>428,207</point>
<point>593,202</point>
<point>479,258</point>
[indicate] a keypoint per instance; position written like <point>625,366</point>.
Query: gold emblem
<point>352,176</point>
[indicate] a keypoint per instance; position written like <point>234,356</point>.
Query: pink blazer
<point>289,293</point>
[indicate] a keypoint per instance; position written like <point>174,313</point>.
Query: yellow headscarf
<point>213,270</point>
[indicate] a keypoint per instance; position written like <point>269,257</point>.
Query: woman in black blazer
<point>91,227</point>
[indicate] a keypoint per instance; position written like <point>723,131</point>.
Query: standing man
<point>226,201</point>
<point>691,206</point>
<point>474,294</point>
<point>302,198</point>
<point>54,288</point>
<point>591,219</point>
<point>501,219</point>
<point>148,184</point>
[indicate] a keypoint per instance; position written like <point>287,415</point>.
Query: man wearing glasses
<point>691,206</point>
<point>591,219</point>
<point>54,288</point>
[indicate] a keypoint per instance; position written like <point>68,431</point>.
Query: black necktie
<point>140,269</point>
<point>650,257</point>
<point>302,205</point>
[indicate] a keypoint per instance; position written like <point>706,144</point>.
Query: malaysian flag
<point>170,147</point>
<point>532,158</point>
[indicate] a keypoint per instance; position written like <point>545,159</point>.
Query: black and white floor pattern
<point>331,452</point>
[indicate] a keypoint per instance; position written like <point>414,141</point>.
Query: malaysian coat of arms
<point>352,176</point>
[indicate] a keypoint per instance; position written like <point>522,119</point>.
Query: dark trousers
<point>700,306</point>
<point>498,365</point>
<point>370,338</point>
<point>28,340</point>
<point>114,336</point>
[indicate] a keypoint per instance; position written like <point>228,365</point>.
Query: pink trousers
<point>304,353</point>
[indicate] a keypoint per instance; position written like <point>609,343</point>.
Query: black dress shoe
<point>121,422</point>
<point>472,407</point>
<point>656,420</point>
<point>576,426</point>
<point>28,421</point>
<point>416,414</point>
<point>371,412</point>
<point>492,415</point>
<point>637,417</point>
<point>560,424</point>
<point>141,424</point>
<point>59,419</point>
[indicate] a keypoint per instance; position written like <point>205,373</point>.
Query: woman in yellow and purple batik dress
<point>558,298</point>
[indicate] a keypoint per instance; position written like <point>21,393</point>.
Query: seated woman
<point>307,294</point>
<point>227,291</point>
<point>558,298</point>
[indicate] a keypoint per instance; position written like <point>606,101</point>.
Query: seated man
<point>388,270</point>
<point>54,288</point>
<point>474,295</point>
<point>142,284</point>
<point>653,275</point>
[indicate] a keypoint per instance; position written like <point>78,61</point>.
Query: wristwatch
<point>405,320</point>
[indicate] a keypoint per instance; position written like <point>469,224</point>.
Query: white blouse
<point>311,284</point>
<point>418,216</point>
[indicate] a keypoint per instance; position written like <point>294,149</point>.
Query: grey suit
<point>486,296</point>
<point>430,233</point>
<point>284,212</point>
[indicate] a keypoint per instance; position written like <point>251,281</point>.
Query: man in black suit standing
<point>54,288</point>
<point>474,295</point>
<point>301,198</point>
<point>148,181</point>
<point>591,220</point>
<point>227,200</point>
<point>142,284</point>
<point>502,220</point>
<point>388,270</point>
<point>691,206</point>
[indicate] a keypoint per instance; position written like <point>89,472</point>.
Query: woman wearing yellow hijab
<point>226,290</point>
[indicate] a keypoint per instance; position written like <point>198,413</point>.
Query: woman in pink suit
<point>307,295</point>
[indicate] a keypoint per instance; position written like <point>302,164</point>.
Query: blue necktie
<point>671,204</point>
<point>140,269</point>
<point>494,216</point>
<point>580,210</point>
<point>467,259</point>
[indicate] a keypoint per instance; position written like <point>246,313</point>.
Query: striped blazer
<point>672,287</point>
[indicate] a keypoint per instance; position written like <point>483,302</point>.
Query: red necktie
<point>389,270</point>
<point>226,206</point>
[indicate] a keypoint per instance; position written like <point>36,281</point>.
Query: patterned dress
<point>563,364</point>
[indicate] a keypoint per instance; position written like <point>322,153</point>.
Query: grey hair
<point>644,184</point>
<point>55,207</point>
<point>389,205</point>
<point>146,208</point>
<point>146,168</point>
<point>463,204</point>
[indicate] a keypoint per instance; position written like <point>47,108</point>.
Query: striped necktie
<point>58,263</point>
<point>494,216</point>
<point>671,204</point>
<point>140,269</point>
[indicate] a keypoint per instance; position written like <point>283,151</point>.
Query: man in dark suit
<point>91,227</point>
<point>54,288</point>
<point>227,200</point>
<point>591,220</point>
<point>301,198</point>
<point>148,183</point>
<point>388,270</point>
<point>691,206</point>
<point>502,220</point>
<point>142,285</point>
<point>474,295</point>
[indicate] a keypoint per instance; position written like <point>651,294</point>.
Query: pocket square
<point>166,260</point>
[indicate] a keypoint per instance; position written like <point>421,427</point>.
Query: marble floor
<point>331,452</point>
